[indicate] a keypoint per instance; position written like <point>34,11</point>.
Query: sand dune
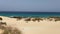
<point>42,27</point>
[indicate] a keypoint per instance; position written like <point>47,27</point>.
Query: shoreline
<point>34,16</point>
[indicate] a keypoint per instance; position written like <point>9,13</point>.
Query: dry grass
<point>28,19</point>
<point>55,18</point>
<point>10,30</point>
<point>17,17</point>
<point>37,19</point>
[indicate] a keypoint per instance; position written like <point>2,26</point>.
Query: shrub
<point>10,30</point>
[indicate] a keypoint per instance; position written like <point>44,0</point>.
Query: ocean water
<point>30,14</point>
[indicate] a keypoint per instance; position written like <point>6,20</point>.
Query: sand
<point>1,31</point>
<point>42,27</point>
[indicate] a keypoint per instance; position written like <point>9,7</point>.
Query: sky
<point>29,5</point>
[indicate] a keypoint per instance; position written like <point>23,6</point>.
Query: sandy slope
<point>42,27</point>
<point>1,31</point>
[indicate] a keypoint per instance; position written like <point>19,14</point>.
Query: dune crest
<point>34,25</point>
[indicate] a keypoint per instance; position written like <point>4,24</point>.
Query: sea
<point>30,14</point>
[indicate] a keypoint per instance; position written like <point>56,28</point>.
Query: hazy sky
<point>29,5</point>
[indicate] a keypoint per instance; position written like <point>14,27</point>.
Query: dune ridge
<point>34,25</point>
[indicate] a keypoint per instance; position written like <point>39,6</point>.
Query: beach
<point>44,26</point>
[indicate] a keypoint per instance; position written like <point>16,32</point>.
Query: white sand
<point>42,27</point>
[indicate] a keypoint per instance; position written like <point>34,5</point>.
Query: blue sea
<point>30,14</point>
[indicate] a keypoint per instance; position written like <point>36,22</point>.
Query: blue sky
<point>29,5</point>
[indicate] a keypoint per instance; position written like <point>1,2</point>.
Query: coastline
<point>33,27</point>
<point>30,14</point>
